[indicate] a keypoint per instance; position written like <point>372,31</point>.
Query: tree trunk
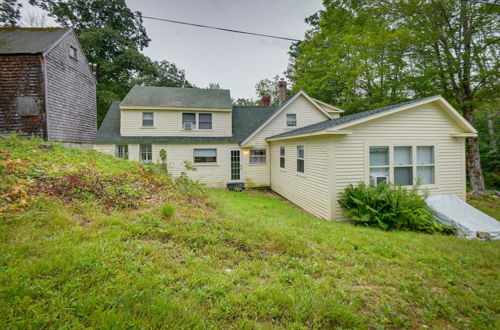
<point>473,159</point>
<point>491,130</point>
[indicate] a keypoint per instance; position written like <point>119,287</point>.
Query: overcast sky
<point>235,61</point>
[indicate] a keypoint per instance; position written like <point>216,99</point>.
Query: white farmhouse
<point>302,149</point>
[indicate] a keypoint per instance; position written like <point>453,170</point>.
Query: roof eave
<point>311,134</point>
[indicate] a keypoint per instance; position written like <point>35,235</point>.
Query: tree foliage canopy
<point>10,12</point>
<point>361,54</point>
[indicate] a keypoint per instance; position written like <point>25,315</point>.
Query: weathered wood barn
<point>46,86</point>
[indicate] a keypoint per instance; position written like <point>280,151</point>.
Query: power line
<point>220,28</point>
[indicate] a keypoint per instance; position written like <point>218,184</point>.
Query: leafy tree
<point>10,12</point>
<point>364,54</point>
<point>268,87</point>
<point>112,37</point>
<point>213,85</point>
<point>243,101</point>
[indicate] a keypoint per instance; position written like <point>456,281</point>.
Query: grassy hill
<point>84,243</point>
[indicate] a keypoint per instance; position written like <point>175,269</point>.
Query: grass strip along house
<point>303,149</point>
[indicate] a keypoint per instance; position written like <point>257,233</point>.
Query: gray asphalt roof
<point>177,97</point>
<point>344,119</point>
<point>245,119</point>
<point>14,40</point>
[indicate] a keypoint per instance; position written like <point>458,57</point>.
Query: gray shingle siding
<point>71,94</point>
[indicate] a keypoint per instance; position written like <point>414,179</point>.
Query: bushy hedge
<point>389,207</point>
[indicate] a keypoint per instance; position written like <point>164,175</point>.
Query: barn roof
<point>16,40</point>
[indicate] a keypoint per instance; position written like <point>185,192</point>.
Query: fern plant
<point>390,207</point>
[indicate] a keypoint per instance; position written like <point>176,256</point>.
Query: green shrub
<point>167,210</point>
<point>389,207</point>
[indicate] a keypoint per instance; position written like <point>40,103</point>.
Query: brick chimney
<point>266,101</point>
<point>282,87</point>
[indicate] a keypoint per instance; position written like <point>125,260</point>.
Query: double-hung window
<point>300,158</point>
<point>425,164</point>
<point>406,161</point>
<point>282,157</point>
<point>145,153</point>
<point>147,119</point>
<point>205,156</point>
<point>205,120</point>
<point>258,156</point>
<point>121,151</point>
<point>379,165</point>
<point>189,120</point>
<point>73,52</point>
<point>291,120</point>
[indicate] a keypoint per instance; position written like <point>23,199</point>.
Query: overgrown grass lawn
<point>232,260</point>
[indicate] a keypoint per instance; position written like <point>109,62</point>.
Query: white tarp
<point>470,222</point>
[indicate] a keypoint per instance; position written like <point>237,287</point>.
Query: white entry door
<point>235,171</point>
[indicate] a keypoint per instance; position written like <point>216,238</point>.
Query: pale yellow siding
<point>169,123</point>
<point>311,189</point>
<point>424,125</point>
<point>106,148</point>
<point>213,175</point>
<point>307,114</point>
<point>256,175</point>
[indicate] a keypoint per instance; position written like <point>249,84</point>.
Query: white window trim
<point>142,119</point>
<point>116,151</point>
<point>297,158</point>
<point>197,122</point>
<point>414,145</point>
<point>296,121</point>
<point>284,158</point>
<point>250,157</point>
<point>216,163</point>
<point>140,153</point>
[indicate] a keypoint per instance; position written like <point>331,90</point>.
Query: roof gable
<point>343,122</point>
<point>176,97</point>
<point>281,108</point>
<point>16,40</point>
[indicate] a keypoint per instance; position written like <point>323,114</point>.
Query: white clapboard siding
<point>307,114</point>
<point>424,125</point>
<point>309,190</point>
<point>213,175</point>
<point>169,123</point>
<point>256,175</point>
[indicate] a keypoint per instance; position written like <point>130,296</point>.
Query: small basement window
<point>282,157</point>
<point>291,120</point>
<point>257,156</point>
<point>205,156</point>
<point>145,153</point>
<point>72,52</point>
<point>121,151</point>
<point>147,119</point>
<point>300,159</point>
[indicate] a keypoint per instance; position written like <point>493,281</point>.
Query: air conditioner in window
<point>188,125</point>
<point>378,179</point>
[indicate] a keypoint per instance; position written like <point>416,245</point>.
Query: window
<point>189,120</point>
<point>282,157</point>
<point>72,52</point>
<point>147,119</point>
<point>291,120</point>
<point>121,151</point>
<point>425,164</point>
<point>205,156</point>
<point>379,165</point>
<point>258,156</point>
<point>205,120</point>
<point>403,165</point>
<point>300,159</point>
<point>145,153</point>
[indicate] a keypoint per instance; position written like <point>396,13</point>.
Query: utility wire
<point>220,28</point>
